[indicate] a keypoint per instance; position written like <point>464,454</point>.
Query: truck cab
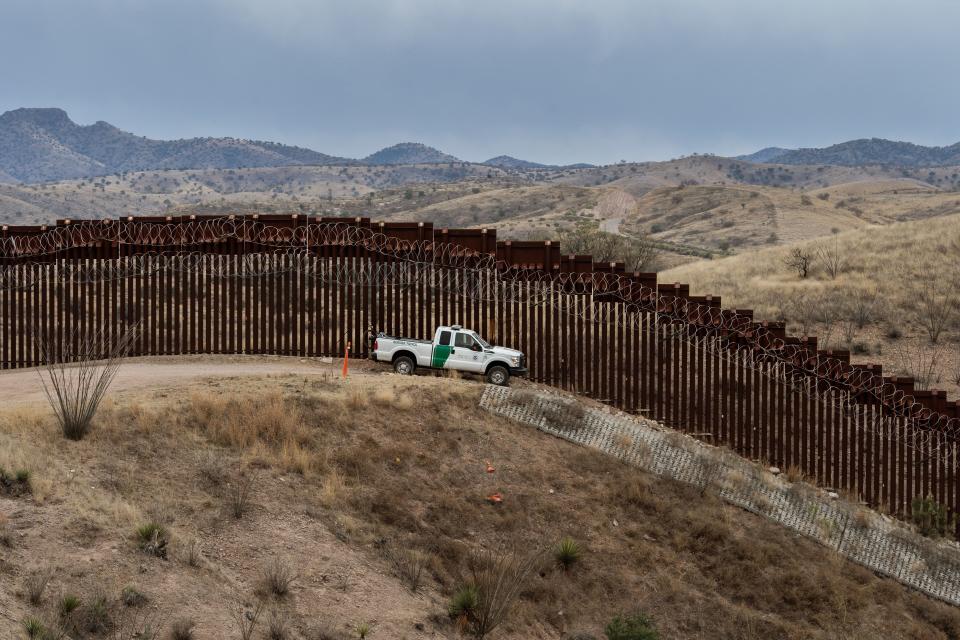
<point>453,347</point>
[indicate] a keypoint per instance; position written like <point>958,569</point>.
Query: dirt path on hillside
<point>23,385</point>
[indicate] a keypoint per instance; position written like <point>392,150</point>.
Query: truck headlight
<point>515,360</point>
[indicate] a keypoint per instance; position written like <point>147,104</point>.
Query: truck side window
<point>464,340</point>
<point>445,338</point>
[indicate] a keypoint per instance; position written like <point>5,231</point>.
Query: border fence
<point>308,286</point>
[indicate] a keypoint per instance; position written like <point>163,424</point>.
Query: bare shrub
<point>859,308</point>
<point>800,260</point>
<point>278,626</point>
<point>6,536</point>
<point>919,362</point>
<point>565,416</point>
<point>182,629</point>
<point>277,577</point>
<point>239,493</point>
<point>496,581</point>
<point>193,553</point>
<point>76,375</point>
<point>132,622</point>
<point>246,619</point>
<point>714,471</point>
<point>524,400</point>
<point>407,563</point>
<point>827,312</point>
<point>834,257</point>
<point>934,301</point>
<point>36,583</point>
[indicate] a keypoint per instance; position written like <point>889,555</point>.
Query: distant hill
<point>873,151</point>
<point>45,144</point>
<point>409,153</point>
<point>509,162</point>
<point>768,154</point>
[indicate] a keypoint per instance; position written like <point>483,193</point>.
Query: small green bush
<point>96,615</point>
<point>567,553</point>
<point>68,604</point>
<point>860,348</point>
<point>146,532</point>
<point>464,604</point>
<point>34,628</point>
<point>132,597</point>
<point>631,627</point>
<point>930,517</point>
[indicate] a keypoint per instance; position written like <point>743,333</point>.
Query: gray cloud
<point>554,81</point>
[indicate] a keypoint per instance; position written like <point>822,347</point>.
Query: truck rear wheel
<point>404,366</point>
<point>498,375</point>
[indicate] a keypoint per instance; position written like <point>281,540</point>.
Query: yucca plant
<point>567,553</point>
<point>68,604</point>
<point>463,605</point>
<point>147,532</point>
<point>34,628</point>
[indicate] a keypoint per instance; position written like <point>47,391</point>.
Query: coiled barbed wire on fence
<point>390,261</point>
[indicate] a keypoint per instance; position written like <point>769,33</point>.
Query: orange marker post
<point>346,359</point>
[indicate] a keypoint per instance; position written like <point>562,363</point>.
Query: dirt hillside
<point>353,486</point>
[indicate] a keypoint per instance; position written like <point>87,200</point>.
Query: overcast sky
<point>547,80</point>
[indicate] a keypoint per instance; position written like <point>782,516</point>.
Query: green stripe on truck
<point>440,354</point>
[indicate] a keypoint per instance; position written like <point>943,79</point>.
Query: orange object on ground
<point>495,498</point>
<point>490,468</point>
<point>346,359</point>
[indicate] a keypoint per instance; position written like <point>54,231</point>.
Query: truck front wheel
<point>498,375</point>
<point>404,366</point>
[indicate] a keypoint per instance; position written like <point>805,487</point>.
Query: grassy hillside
<point>354,485</point>
<point>894,285</point>
<point>691,207</point>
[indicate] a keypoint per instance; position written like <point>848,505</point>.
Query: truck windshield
<point>483,343</point>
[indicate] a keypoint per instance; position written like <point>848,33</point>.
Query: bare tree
<point>76,375</point>
<point>935,303</point>
<point>920,362</point>
<point>826,313</point>
<point>859,307</point>
<point>800,260</point>
<point>833,257</point>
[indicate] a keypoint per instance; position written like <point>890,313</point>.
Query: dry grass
<point>277,577</point>
<point>894,288</point>
<point>417,478</point>
<point>35,584</point>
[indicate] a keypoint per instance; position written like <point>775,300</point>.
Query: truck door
<point>441,350</point>
<point>467,355</point>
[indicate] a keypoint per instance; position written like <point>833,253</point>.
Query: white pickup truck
<point>452,348</point>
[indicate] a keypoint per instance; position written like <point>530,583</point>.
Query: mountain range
<point>39,145</point>
<point>863,152</point>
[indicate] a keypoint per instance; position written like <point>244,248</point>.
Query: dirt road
<point>23,385</point>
